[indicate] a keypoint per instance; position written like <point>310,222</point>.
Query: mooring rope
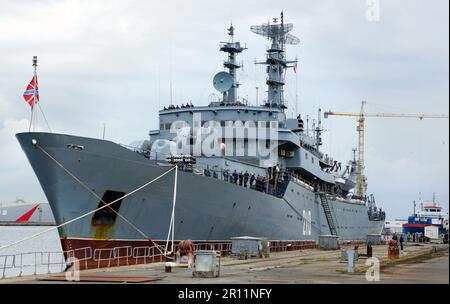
<point>172,218</point>
<point>90,191</point>
<point>93,211</point>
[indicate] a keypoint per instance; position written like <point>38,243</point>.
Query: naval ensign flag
<point>31,92</point>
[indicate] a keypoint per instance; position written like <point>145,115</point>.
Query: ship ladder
<point>328,215</point>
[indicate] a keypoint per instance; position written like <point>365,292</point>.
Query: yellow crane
<point>361,184</point>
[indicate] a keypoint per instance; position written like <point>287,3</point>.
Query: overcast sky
<point>111,62</point>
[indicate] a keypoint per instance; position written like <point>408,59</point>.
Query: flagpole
<point>35,89</point>
<point>33,118</point>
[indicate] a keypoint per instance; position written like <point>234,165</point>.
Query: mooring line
<point>93,211</point>
<point>90,191</point>
<point>172,218</point>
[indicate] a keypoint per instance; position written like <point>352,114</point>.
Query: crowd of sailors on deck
<point>375,214</point>
<point>183,106</point>
<point>271,183</point>
<point>232,104</point>
<point>275,182</point>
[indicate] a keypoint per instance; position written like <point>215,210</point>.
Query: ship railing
<point>4,262</point>
<point>226,175</point>
<point>302,182</point>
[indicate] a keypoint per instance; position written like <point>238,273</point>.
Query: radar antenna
<point>278,34</point>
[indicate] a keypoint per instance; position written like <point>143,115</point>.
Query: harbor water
<point>40,255</point>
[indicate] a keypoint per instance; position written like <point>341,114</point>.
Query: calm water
<point>48,246</point>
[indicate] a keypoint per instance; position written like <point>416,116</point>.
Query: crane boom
<point>391,115</point>
<point>361,185</point>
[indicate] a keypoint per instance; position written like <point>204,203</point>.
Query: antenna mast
<point>228,84</point>
<point>276,61</point>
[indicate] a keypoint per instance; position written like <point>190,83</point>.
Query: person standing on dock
<point>401,242</point>
<point>395,237</point>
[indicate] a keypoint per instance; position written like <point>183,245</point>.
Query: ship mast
<point>232,48</point>
<point>276,62</point>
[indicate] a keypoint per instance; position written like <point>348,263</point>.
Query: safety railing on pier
<point>277,246</point>
<point>127,254</point>
<point>147,254</point>
<point>223,248</point>
<point>41,262</point>
<point>46,262</point>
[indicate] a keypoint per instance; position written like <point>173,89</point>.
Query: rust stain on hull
<point>102,232</point>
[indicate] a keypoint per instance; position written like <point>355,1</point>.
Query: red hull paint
<point>433,206</point>
<point>419,225</point>
<point>93,253</point>
<point>26,217</point>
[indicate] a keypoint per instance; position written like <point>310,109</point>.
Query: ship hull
<point>207,209</point>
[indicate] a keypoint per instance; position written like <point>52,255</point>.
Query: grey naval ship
<point>291,195</point>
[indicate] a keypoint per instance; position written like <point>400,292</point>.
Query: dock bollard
<point>351,260</point>
<point>168,266</point>
<point>369,250</point>
<point>393,250</point>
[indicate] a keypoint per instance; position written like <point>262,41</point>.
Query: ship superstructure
<point>429,214</point>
